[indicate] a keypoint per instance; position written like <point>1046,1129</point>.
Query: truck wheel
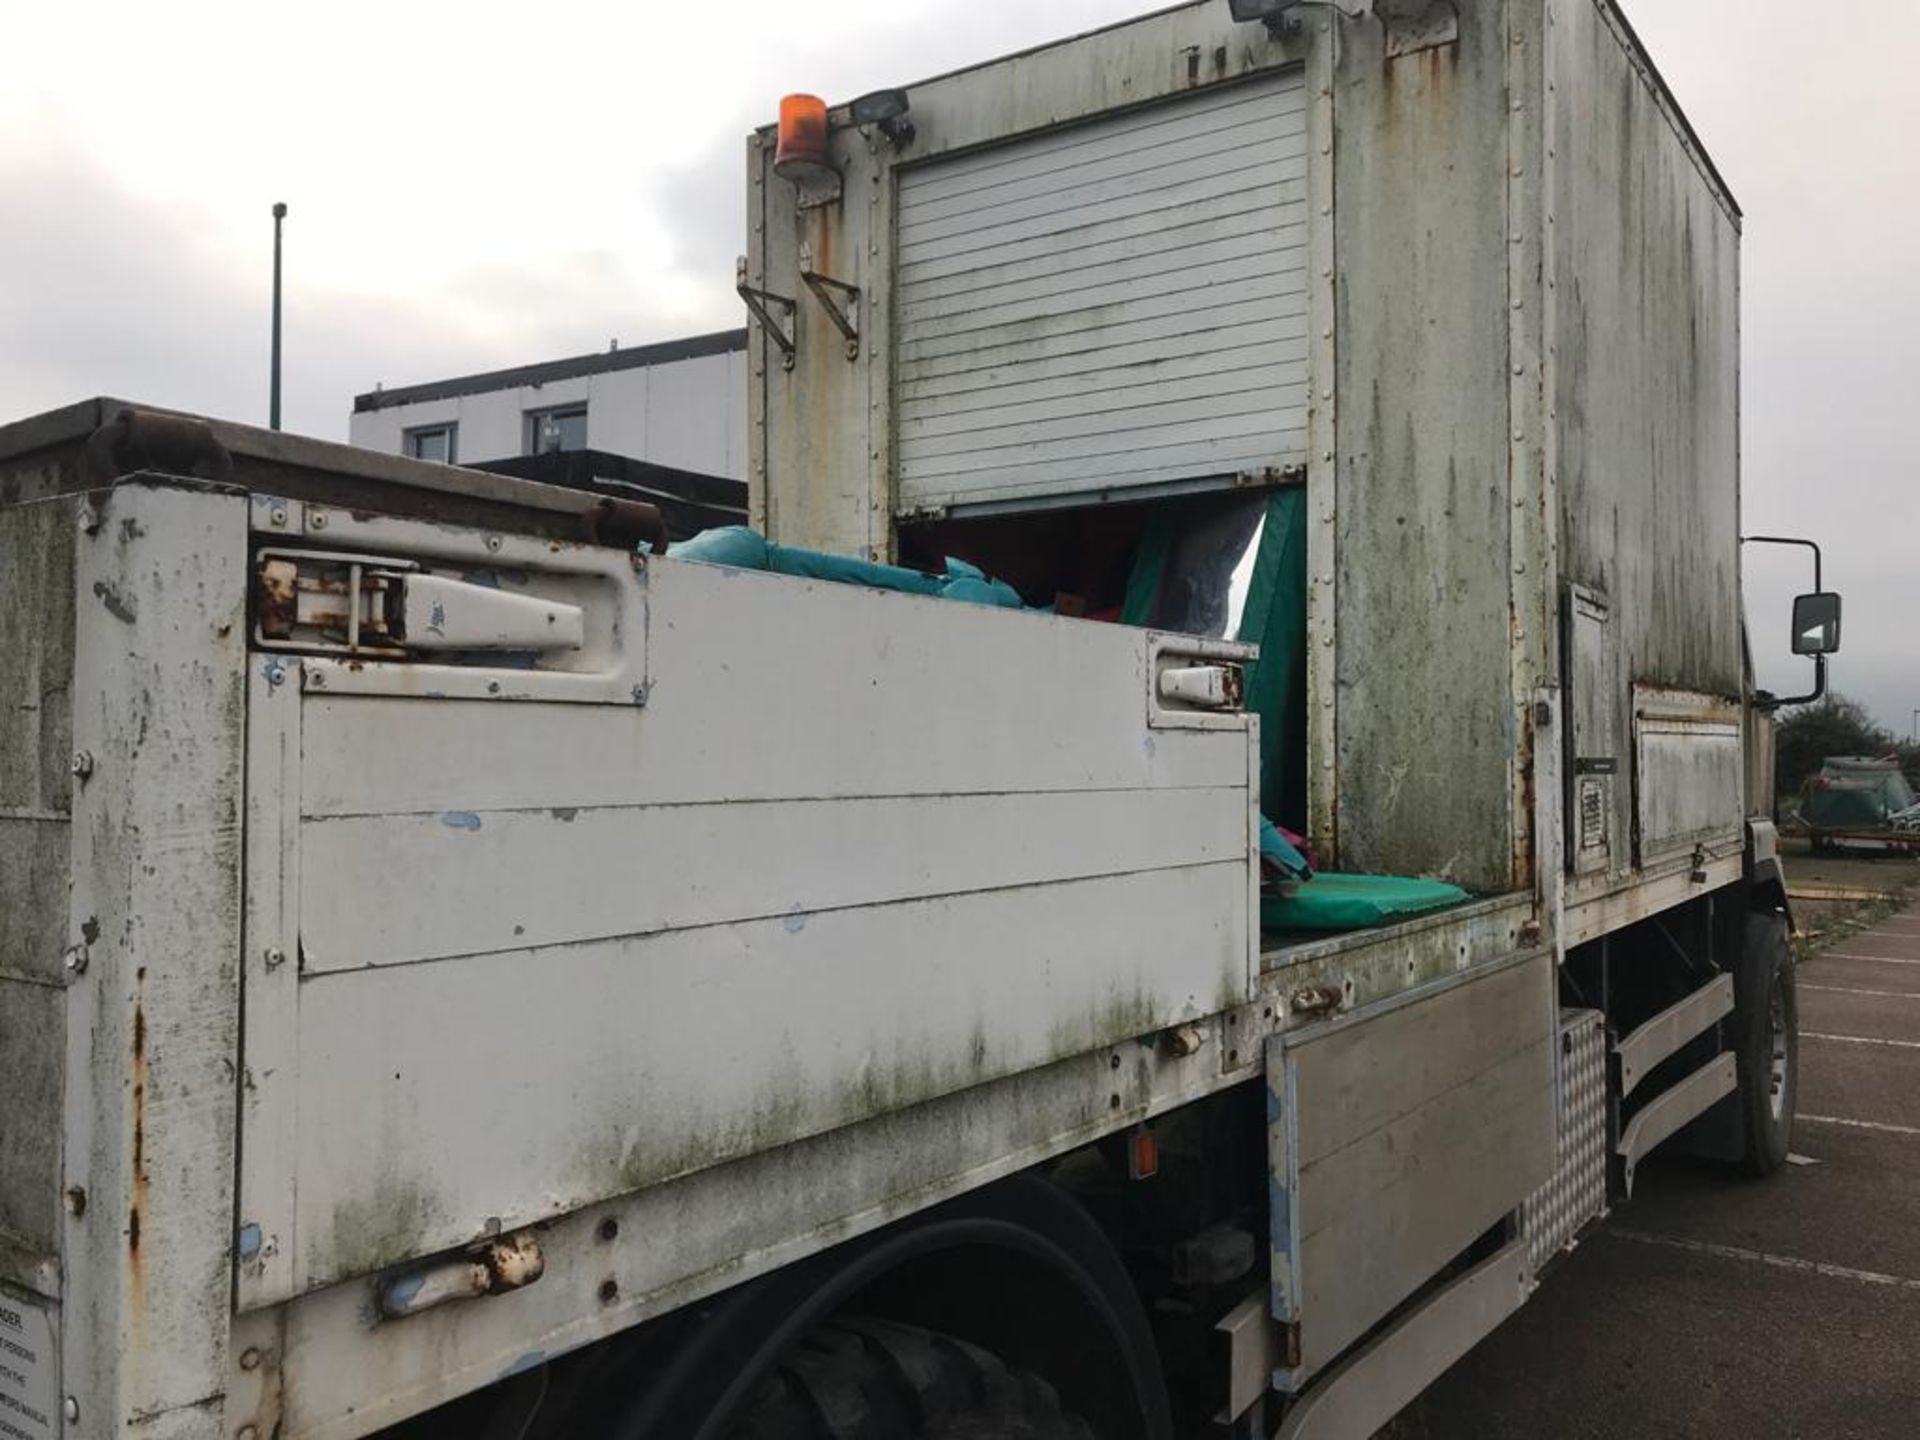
<point>875,1380</point>
<point>1766,1036</point>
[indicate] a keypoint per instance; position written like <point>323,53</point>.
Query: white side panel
<point>786,690</point>
<point>571,872</point>
<point>857,851</point>
<point>1116,304</point>
<point>524,1084</point>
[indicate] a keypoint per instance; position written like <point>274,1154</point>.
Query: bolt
<point>76,1200</point>
<point>76,959</point>
<point>250,1358</point>
<point>493,542</point>
<point>81,764</point>
<point>275,957</point>
<point>277,516</point>
<point>317,519</point>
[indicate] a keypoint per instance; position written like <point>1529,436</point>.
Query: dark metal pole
<point>273,403</point>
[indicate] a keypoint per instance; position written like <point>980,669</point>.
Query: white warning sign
<point>29,1382</point>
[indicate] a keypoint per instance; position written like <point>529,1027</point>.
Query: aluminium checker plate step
<point>1556,1213</point>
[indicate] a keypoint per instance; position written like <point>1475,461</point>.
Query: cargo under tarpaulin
<point>1855,794</point>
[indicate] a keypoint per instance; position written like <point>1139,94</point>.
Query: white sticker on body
<point>29,1385</point>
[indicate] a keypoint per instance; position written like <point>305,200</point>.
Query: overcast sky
<point>476,186</point>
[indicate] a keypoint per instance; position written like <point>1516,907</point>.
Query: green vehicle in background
<point>1856,802</point>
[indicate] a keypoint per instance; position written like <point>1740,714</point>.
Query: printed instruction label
<point>29,1382</point>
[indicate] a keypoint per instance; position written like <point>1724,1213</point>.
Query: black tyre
<point>875,1380</point>
<point>1766,1043</point>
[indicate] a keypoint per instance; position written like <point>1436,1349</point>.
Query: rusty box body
<point>703,919</point>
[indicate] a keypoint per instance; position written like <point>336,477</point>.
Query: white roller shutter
<point>1118,304</point>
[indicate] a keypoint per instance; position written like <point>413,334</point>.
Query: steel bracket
<point>1383,1376</point>
<point>840,300</point>
<point>1672,1028</point>
<point>774,312</point>
<point>1671,1110</point>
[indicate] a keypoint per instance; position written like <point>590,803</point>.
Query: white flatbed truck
<point>462,973</point>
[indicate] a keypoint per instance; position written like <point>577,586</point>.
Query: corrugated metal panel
<point>1118,304</point>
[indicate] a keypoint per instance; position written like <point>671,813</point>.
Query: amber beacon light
<point>802,152</point>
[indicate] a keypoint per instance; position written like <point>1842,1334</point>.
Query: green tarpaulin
<point>1355,902</point>
<point>743,549</point>
<point>1275,619</point>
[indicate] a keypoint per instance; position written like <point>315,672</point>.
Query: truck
<point>465,972</point>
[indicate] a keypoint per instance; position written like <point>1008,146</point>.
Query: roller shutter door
<point>1114,305</point>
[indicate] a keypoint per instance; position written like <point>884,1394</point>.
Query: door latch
<point>328,603</point>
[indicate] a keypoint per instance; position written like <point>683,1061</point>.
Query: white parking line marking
<point>1859,1124</point>
<point>1862,1040</point>
<point>1876,959</point>
<point>1843,990</point>
<point>1761,1257</point>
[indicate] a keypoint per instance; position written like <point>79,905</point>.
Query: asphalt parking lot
<point>1718,1307</point>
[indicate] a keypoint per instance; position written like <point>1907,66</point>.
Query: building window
<point>432,442</point>
<point>551,430</point>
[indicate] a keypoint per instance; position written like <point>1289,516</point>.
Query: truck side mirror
<point>1816,624</point>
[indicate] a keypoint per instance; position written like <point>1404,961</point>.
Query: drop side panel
<point>856,851</point>
<point>1384,1172</point>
